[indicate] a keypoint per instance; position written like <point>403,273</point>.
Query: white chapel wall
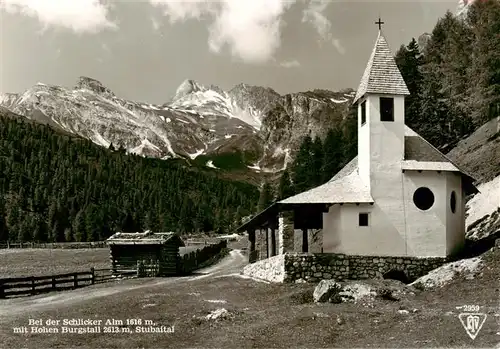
<point>426,230</point>
<point>344,235</point>
<point>455,222</point>
<point>331,229</point>
<point>364,145</point>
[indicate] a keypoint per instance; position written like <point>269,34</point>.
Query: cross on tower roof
<point>379,24</point>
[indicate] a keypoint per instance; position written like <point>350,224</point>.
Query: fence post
<point>92,270</point>
<point>139,268</point>
<point>75,280</point>
<point>32,285</point>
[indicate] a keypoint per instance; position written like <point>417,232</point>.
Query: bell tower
<point>381,118</point>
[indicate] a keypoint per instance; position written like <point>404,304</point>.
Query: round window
<point>453,202</point>
<point>423,198</point>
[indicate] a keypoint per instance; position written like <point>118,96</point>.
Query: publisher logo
<point>472,323</point>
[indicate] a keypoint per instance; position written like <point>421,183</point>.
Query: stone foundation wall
<point>271,269</point>
<point>303,267</point>
<point>315,267</point>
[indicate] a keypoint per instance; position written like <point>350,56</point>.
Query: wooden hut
<point>148,253</point>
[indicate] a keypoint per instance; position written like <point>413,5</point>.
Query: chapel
<point>400,196</point>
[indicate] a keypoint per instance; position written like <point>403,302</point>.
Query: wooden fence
<point>195,259</point>
<point>62,245</point>
<point>92,244</point>
<point>18,286</point>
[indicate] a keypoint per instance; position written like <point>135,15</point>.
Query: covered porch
<point>285,228</point>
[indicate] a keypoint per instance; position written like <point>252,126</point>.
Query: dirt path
<point>19,306</point>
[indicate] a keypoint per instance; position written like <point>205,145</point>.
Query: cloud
<point>338,45</point>
<point>290,64</point>
<point>156,24</point>
<point>81,16</point>
<point>314,14</point>
<point>181,10</point>
<point>250,30</point>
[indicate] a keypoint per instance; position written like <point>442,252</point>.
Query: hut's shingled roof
<point>147,237</point>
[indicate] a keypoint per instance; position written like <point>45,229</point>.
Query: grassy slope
<point>279,316</point>
<point>40,262</point>
<point>480,152</point>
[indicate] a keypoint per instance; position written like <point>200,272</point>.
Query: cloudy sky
<point>143,49</point>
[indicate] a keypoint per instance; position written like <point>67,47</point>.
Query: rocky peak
<point>187,87</point>
<point>216,89</point>
<point>259,97</point>
<point>94,85</point>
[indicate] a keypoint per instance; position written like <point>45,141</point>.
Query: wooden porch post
<point>273,242</point>
<point>267,243</point>
<point>252,255</point>
<point>251,237</point>
<point>305,241</point>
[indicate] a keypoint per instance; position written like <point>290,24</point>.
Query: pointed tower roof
<point>381,74</point>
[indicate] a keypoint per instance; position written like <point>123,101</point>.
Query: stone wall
<point>260,244</point>
<point>285,233</point>
<point>315,267</point>
<point>303,267</point>
<point>270,269</point>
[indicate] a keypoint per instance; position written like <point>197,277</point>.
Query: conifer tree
<point>333,153</point>
<point>302,166</point>
<point>266,197</point>
<point>285,188</point>
<point>317,162</point>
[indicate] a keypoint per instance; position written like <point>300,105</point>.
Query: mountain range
<point>259,128</point>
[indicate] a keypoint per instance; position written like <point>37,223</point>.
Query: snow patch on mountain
<point>146,148</point>
<point>210,164</point>
<point>192,97</point>
<point>339,100</point>
<point>255,167</point>
<point>99,140</point>
<point>195,154</point>
<point>485,202</point>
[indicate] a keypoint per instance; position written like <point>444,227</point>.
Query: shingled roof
<point>381,74</point>
<point>347,187</point>
<point>146,238</point>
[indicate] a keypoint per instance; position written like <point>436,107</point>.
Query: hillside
<point>452,74</point>
<point>55,187</point>
<point>479,153</point>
